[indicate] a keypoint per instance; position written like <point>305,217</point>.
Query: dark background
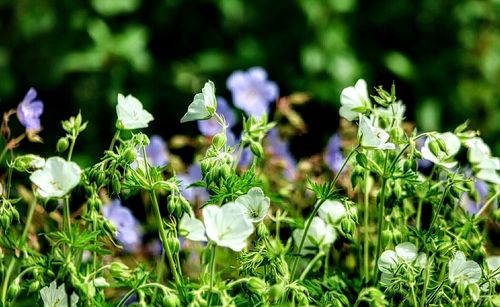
<point>443,55</point>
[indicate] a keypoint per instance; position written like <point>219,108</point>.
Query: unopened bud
<point>14,288</point>
<point>434,148</point>
<point>171,300</point>
<point>119,270</point>
<point>256,285</point>
<point>257,149</point>
<point>62,144</point>
<point>219,140</point>
<point>130,155</point>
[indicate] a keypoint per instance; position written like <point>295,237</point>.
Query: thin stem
<point>488,202</point>
<point>71,146</point>
<point>413,296</point>
<point>419,212</point>
<point>212,270</point>
<point>113,140</point>
<point>367,225</point>
<point>426,281</point>
<point>317,205</point>
<point>66,214</point>
<point>327,260</point>
<point>6,280</point>
<point>31,210</point>
<point>435,215</point>
<point>311,265</point>
<point>380,218</point>
<point>4,151</point>
<point>238,156</point>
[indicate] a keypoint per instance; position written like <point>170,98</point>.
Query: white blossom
<point>332,211</point>
<point>131,113</point>
<point>191,228</point>
<point>203,106</point>
<point>354,100</point>
<point>462,270</point>
<point>254,204</point>
<point>57,177</point>
<point>320,234</point>
<point>373,137</point>
<point>435,153</point>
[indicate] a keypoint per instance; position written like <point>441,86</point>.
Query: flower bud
<point>434,148</point>
<point>461,289</point>
<point>262,230</point>
<point>256,285</point>
<point>219,140</point>
<point>173,244</point>
<point>119,270</point>
<point>116,183</point>
<point>28,163</point>
<point>397,235</point>
<point>386,237</point>
<point>14,288</point>
<point>130,155</point>
<point>34,286</point>
<point>348,226</point>
<point>171,300</point>
<point>276,291</point>
<point>62,145</point>
<point>257,149</point>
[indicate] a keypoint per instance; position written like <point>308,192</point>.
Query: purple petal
<point>257,73</point>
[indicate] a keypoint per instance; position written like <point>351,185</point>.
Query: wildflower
<point>127,226</point>
<point>332,211</point>
<point>56,296</point>
<point>319,235</point>
<point>254,205</point>
<point>204,104</point>
<point>227,226</point>
<point>493,263</point>
<point>156,152</point>
<point>371,136</point>
<point>473,206</point>
<point>354,101</point>
<point>393,115</point>
<point>280,151</point>
<point>463,271</point>
<point>191,228</point>
<point>131,114</point>
<point>211,126</point>
<point>29,111</point>
<point>57,177</point>
<point>484,164</point>
<point>251,90</point>
<point>404,253</point>
<point>28,163</point>
<point>192,175</point>
<point>333,156</point>
<point>441,149</point>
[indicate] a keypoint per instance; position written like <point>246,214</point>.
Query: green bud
<point>119,270</point>
<point>386,237</point>
<point>441,144</point>
<point>479,252</point>
<point>256,285</point>
<point>226,171</point>
<point>219,140</point>
<point>397,235</point>
<point>409,165</point>
<point>62,144</point>
<point>171,300</point>
<point>362,160</point>
<point>171,203</point>
<point>302,299</point>
<point>262,230</point>
<point>28,163</point>
<point>496,214</point>
<point>186,206</point>
<point>14,288</point>
<point>348,226</point>
<point>276,291</point>
<point>130,155</point>
<point>434,147</point>
<point>173,244</point>
<point>116,183</point>
<point>34,286</point>
<point>257,149</point>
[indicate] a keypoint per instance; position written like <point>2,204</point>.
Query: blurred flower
<point>227,226</point>
<point>254,205</point>
<point>423,164</point>
<point>280,151</point>
<point>405,252</point>
<point>53,295</point>
<point>332,211</point>
<point>333,156</point>
<point>441,149</point>
<point>371,136</point>
<point>486,167</point>
<point>131,113</point>
<point>29,111</point>
<point>246,157</point>
<point>192,193</point>
<point>128,228</point>
<point>393,115</point>
<point>473,206</point>
<point>493,263</point>
<point>211,127</point>
<point>156,152</point>
<point>203,106</point>
<point>463,271</point>
<point>320,234</point>
<point>191,228</point>
<point>251,90</point>
<point>354,101</point>
<point>57,177</point>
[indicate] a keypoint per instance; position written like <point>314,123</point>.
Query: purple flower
<point>193,193</point>
<point>470,205</point>
<point>211,127</point>
<point>29,111</point>
<point>251,90</point>
<point>333,156</point>
<point>280,151</point>
<point>128,228</point>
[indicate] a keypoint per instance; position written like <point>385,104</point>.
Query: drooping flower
<point>203,106</point>
<point>463,271</point>
<point>254,205</point>
<point>127,226</point>
<point>333,156</point>
<point>373,137</point>
<point>131,113</point>
<point>192,175</point>
<point>227,226</point>
<point>354,101</point>
<point>251,90</point>
<point>29,111</point>
<point>404,253</point>
<point>57,177</point>
<point>280,152</point>
<point>320,234</point>
<point>156,152</point>
<point>211,127</point>
<point>485,166</point>
<point>433,150</point>
<point>191,228</point>
<point>332,211</point>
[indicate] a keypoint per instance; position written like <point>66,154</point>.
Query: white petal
<point>192,229</point>
<point>332,211</point>
<point>421,260</point>
<point>387,261</point>
<point>209,219</point>
<point>406,251</point>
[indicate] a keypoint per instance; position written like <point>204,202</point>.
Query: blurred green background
<point>443,55</point>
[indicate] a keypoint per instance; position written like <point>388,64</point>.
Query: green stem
<point>487,203</point>
<point>6,280</point>
<point>66,214</point>
<point>212,270</point>
<point>31,210</point>
<point>380,217</point>
<point>71,147</point>
<point>426,281</point>
<point>238,156</point>
<point>113,140</point>
<point>4,151</point>
<point>317,205</point>
<point>435,215</point>
<point>327,260</point>
<point>311,265</point>
<point>419,212</point>
<point>367,225</point>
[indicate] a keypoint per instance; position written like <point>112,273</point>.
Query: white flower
<point>485,166</point>
<point>131,113</point>
<point>227,226</point>
<point>332,211</point>
<point>463,271</point>
<point>203,106</point>
<point>354,100</point>
<point>393,115</point>
<point>319,235</point>
<point>404,253</point>
<point>57,177</point>
<point>54,296</point>
<point>254,205</point>
<point>493,263</point>
<point>371,136</point>
<point>191,228</point>
<point>434,151</point>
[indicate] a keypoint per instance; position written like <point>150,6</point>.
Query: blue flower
<point>29,111</point>
<point>473,206</point>
<point>251,90</point>
<point>211,127</point>
<point>280,151</point>
<point>333,156</point>
<point>128,228</point>
<point>193,193</point>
